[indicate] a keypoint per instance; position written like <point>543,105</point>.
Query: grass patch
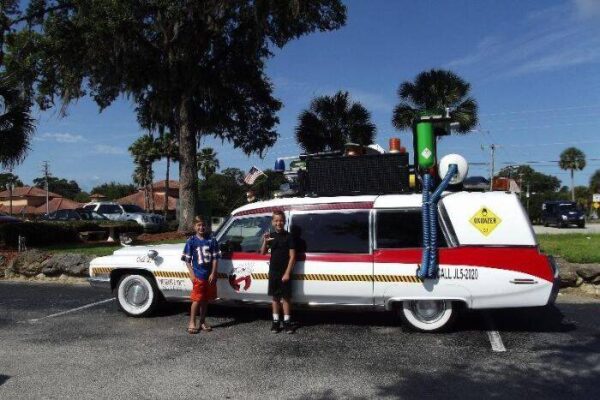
<point>573,247</point>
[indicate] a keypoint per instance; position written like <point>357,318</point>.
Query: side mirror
<point>152,254</point>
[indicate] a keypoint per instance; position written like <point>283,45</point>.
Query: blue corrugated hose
<point>425,210</point>
<point>429,264</point>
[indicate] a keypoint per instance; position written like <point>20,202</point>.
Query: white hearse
<point>360,250</point>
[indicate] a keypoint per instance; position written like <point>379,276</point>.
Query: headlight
<point>581,217</point>
<point>564,217</point>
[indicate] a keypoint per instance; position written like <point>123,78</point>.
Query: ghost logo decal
<point>240,277</point>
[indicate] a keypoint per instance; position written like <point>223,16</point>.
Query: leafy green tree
<point>16,124</point>
<point>595,182</point>
<point>82,197</point>
<point>525,175</point>
<point>8,178</point>
<point>197,64</point>
<point>114,190</point>
<point>583,196</point>
<point>434,91</point>
<point>235,173</point>
<point>145,152</point>
<point>265,186</point>
<point>207,162</point>
<point>572,159</point>
<point>60,186</point>
<point>220,194</point>
<point>332,121</point>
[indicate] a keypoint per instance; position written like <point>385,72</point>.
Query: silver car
<point>127,212</point>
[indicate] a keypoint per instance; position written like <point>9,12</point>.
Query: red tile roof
<point>27,191</point>
<point>58,204</point>
<point>159,198</point>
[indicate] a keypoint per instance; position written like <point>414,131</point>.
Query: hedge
<point>47,233</point>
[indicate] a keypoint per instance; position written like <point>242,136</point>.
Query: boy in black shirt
<point>283,258</point>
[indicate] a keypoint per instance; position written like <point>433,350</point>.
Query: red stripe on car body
<point>527,260</point>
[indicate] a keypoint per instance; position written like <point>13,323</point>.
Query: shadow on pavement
<point>535,319</point>
<point>557,372</point>
<point>3,379</point>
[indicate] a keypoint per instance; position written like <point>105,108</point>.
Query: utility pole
<point>492,165</point>
<point>521,185</point>
<point>45,170</point>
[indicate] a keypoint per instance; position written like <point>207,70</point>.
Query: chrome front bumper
<point>100,283</point>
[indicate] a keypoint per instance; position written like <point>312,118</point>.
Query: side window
<point>62,215</point>
<point>401,229</point>
<point>90,207</point>
<point>245,234</point>
<point>331,232</point>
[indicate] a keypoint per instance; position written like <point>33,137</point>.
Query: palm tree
<point>332,121</point>
<point>435,91</point>
<point>145,151</point>
<point>16,125</point>
<point>207,162</point>
<point>572,159</point>
<point>595,182</point>
<point>168,148</point>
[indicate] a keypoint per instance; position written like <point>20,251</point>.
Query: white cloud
<point>588,8</point>
<point>548,39</point>
<point>61,137</point>
<point>110,150</point>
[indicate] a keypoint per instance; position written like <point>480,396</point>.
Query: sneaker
<point>275,327</point>
<point>288,327</point>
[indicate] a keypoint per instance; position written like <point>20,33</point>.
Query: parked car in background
<point>7,219</point>
<point>79,214</point>
<point>562,214</point>
<point>127,212</point>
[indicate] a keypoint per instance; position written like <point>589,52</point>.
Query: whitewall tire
<point>427,315</point>
<point>137,295</point>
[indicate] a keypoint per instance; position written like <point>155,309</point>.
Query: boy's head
<point>278,220</point>
<point>200,225</point>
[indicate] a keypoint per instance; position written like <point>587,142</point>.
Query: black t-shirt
<point>280,251</point>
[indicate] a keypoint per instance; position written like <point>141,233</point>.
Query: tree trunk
<point>150,172</point>
<point>166,200</point>
<point>188,181</point>
<point>572,187</point>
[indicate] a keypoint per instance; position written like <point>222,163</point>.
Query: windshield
<point>568,207</point>
<point>132,208</point>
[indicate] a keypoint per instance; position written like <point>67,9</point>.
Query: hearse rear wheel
<point>137,295</point>
<point>427,315</point>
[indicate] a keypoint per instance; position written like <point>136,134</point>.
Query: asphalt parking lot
<point>70,341</point>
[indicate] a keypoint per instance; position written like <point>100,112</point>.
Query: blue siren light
<point>279,165</point>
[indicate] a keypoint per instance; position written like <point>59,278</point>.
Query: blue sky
<point>534,67</point>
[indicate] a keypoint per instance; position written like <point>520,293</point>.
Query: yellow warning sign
<point>485,221</point>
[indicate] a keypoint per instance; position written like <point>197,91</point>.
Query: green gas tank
<point>425,144</point>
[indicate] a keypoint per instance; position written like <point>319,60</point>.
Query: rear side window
<point>245,234</point>
<point>402,229</point>
<point>109,209</point>
<point>331,232</point>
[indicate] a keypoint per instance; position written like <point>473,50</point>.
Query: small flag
<point>252,175</point>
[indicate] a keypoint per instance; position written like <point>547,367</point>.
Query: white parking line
<point>494,335</point>
<point>70,311</point>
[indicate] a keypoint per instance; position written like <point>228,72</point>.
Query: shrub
<point>47,233</point>
<point>38,233</point>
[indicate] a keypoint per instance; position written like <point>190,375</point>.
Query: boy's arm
<point>213,273</point>
<point>190,270</point>
<point>288,272</point>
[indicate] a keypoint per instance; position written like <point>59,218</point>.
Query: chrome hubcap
<point>428,311</point>
<point>136,293</point>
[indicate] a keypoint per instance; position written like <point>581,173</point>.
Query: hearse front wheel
<point>427,315</point>
<point>137,295</point>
